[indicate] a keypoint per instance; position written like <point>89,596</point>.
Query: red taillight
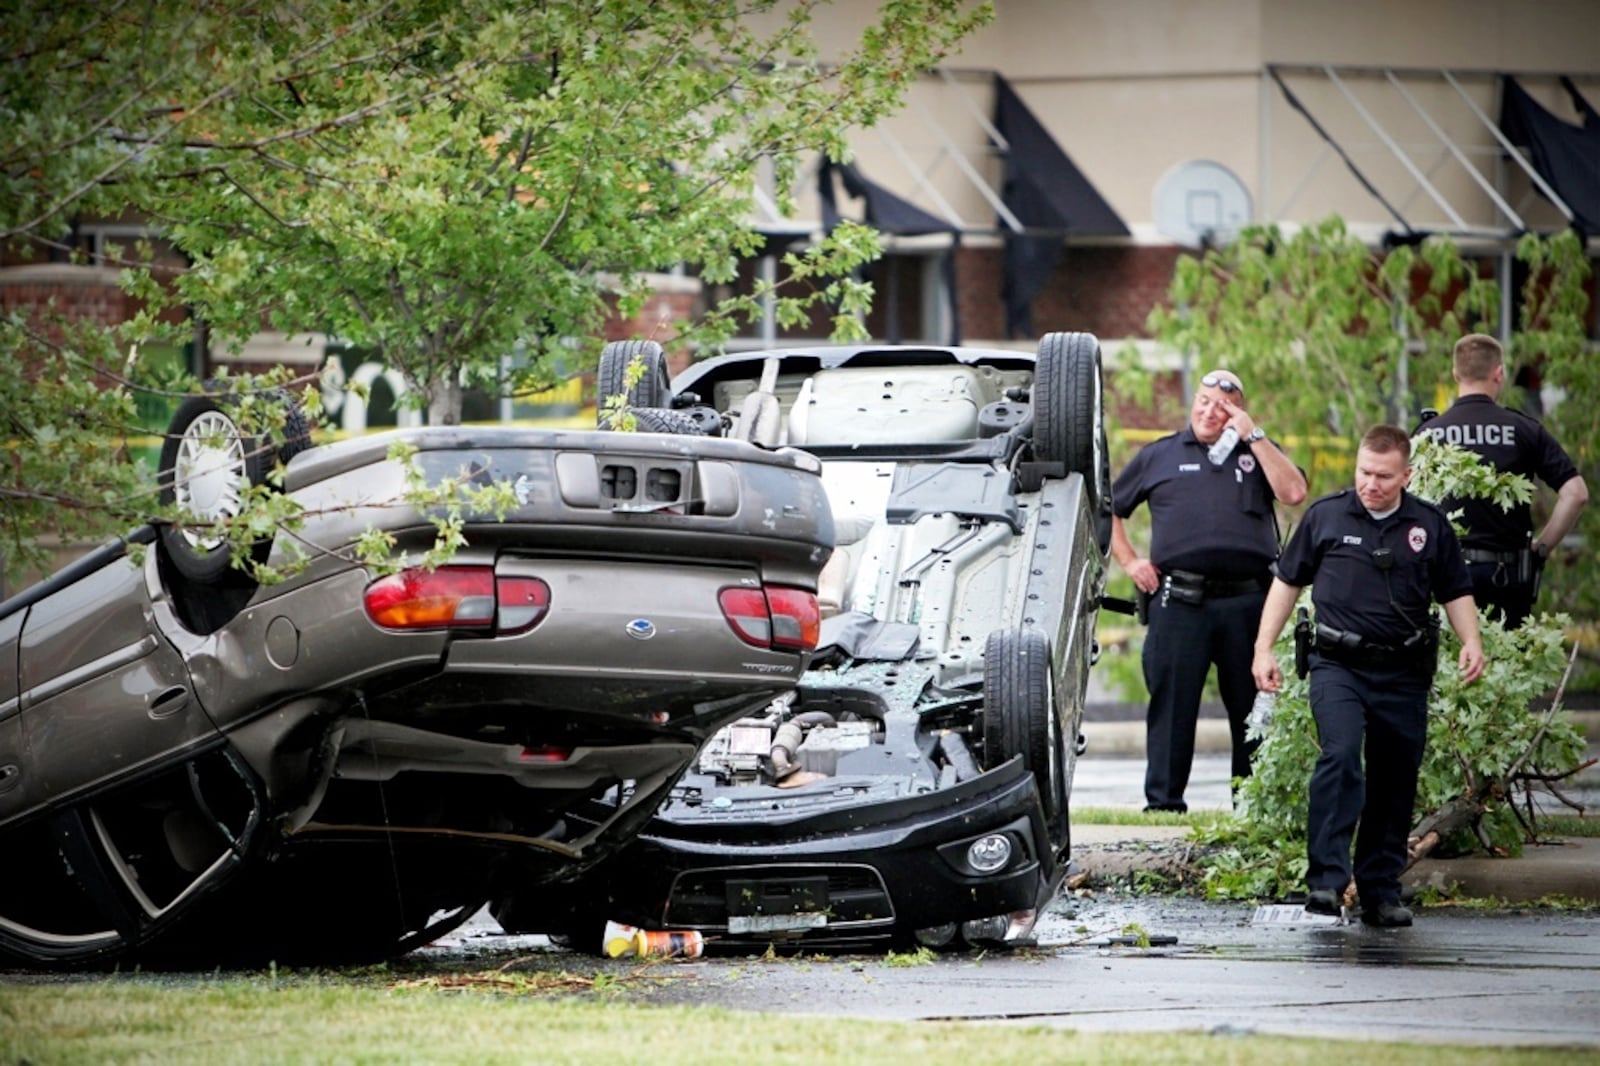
<point>782,618</point>
<point>450,597</point>
<point>524,601</point>
<point>796,619</point>
<point>457,597</point>
<point>746,611</point>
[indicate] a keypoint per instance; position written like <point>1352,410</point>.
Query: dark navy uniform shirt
<point>1333,552</point>
<point>1212,520</point>
<point>1511,442</point>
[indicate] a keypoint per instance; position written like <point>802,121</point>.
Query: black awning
<point>885,212</point>
<point>1050,197</point>
<point>888,213</point>
<point>1566,156</point>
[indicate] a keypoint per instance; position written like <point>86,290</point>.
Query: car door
<point>101,692</point>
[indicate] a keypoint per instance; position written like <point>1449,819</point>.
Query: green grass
<point>1557,825</point>
<point>1570,825</point>
<point>1134,816</point>
<point>485,1019</point>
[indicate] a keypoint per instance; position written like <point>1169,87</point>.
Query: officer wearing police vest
<point>1377,559</point>
<point>1503,555</point>
<point>1213,536</point>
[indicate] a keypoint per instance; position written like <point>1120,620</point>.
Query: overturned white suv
<point>914,785</point>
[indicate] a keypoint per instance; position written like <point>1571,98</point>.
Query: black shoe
<point>1388,914</point>
<point>1174,808</point>
<point>1323,901</point>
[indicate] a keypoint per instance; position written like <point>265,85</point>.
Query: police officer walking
<point>1376,559</point>
<point>1213,536</point>
<point>1503,555</point>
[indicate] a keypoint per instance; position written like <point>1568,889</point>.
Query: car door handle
<point>169,702</point>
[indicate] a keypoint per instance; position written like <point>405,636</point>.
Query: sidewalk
<point>1111,774</point>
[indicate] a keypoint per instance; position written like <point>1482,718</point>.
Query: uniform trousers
<point>1181,642</point>
<point>1383,711</point>
<point>1496,585</point>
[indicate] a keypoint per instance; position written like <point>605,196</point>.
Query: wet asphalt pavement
<point>1506,978</point>
<point>1502,978</point>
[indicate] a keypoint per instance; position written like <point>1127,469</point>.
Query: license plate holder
<point>777,905</point>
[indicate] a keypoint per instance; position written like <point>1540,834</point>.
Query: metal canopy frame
<point>969,162</point>
<point>1421,163</point>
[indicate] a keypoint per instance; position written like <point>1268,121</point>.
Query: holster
<point>1529,567</point>
<point>1304,635</point>
<point>1142,605</point>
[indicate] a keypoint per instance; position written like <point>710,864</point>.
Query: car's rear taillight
<point>457,597</point>
<point>782,618</point>
<point>796,619</point>
<point>524,601</point>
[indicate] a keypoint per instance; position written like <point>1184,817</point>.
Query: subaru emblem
<point>641,629</point>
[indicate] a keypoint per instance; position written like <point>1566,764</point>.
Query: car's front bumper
<point>851,874</point>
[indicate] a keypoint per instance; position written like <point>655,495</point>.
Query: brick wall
<point>1104,290</point>
<point>674,300</point>
<point>79,292</point>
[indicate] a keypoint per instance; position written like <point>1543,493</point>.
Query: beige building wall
<point>1134,88</point>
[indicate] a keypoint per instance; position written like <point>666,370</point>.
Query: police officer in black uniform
<point>1377,559</point>
<point>1213,535</point>
<point>1502,554</point>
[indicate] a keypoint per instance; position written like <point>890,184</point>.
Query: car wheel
<point>1069,418</point>
<point>207,466</point>
<point>1019,715</point>
<point>652,390</point>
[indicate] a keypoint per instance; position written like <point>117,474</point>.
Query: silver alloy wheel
<point>209,478</point>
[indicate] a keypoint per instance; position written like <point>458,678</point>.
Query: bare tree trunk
<point>444,400</point>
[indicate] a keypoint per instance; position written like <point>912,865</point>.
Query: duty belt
<point>1355,650</point>
<point>1480,555</point>
<point>1214,588</point>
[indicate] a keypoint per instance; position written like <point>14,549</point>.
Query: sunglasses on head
<point>1217,381</point>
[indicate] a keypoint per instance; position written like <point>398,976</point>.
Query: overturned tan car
<point>199,769</point>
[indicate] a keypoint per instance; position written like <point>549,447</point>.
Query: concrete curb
<point>1568,869</point>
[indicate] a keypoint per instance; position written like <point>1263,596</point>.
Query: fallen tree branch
<point>1466,811</point>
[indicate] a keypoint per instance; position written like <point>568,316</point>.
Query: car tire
<point>1069,418</point>
<point>666,420</point>
<point>1019,713</point>
<point>652,390</point>
<point>204,439</point>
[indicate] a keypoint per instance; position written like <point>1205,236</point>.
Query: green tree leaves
<point>437,183</point>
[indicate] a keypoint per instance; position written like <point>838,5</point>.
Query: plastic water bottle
<point>1224,446</point>
<point>1261,711</point>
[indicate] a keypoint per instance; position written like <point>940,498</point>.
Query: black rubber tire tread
<point>1017,708</point>
<point>1069,418</point>
<point>296,433</point>
<point>1066,386</point>
<point>653,389</point>
<point>198,565</point>
<point>667,420</point>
